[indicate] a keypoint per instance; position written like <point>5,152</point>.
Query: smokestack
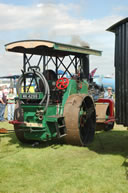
<point>84,72</point>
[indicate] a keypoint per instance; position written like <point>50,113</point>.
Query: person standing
<point>108,94</point>
<point>11,104</point>
<point>2,104</point>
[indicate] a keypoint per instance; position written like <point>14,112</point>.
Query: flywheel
<point>80,119</point>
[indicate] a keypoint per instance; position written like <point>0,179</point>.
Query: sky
<point>60,21</point>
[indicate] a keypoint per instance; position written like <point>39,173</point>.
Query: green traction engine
<point>52,93</point>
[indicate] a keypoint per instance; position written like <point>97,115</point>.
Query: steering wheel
<point>62,83</point>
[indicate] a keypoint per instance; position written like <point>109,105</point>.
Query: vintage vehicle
<point>61,107</point>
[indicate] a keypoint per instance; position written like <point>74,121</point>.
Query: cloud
<point>10,63</point>
<point>56,17</point>
<point>56,22</point>
<point>84,26</point>
<point>17,17</point>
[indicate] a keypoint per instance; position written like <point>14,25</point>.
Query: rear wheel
<point>18,115</point>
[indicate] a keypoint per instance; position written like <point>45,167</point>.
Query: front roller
<point>80,119</point>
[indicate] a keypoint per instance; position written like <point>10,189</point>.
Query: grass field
<point>102,167</point>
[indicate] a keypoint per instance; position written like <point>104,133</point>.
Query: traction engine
<point>53,104</point>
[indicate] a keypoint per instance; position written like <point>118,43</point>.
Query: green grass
<point>99,168</point>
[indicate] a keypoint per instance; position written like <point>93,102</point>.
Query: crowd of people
<point>7,98</point>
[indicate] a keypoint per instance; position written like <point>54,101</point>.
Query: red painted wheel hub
<point>62,83</point>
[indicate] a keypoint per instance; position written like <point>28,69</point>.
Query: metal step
<point>56,116</point>
<point>61,126</point>
<point>63,135</point>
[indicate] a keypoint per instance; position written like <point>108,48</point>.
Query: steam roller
<point>53,99</point>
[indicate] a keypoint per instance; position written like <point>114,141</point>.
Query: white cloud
<point>84,26</point>
<point>10,63</point>
<point>55,22</point>
<point>17,17</point>
<point>57,16</point>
